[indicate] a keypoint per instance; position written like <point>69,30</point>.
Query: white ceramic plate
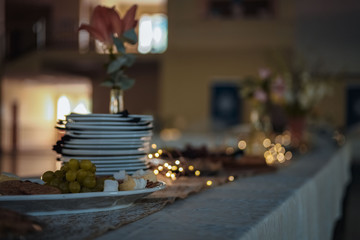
<point>73,203</point>
<point>117,169</point>
<point>104,147</point>
<point>79,152</point>
<point>133,161</point>
<point>117,135</point>
<point>111,123</point>
<point>120,166</point>
<point>110,132</point>
<point>109,117</point>
<point>66,158</point>
<point>109,141</point>
<point>110,173</point>
<point>106,127</point>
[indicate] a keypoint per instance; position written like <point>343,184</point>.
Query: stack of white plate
<point>112,142</point>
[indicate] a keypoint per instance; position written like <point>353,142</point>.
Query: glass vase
<point>116,100</point>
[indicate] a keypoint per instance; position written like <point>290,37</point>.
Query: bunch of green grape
<point>75,176</point>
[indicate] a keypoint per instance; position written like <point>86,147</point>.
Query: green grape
<point>91,174</point>
<point>99,185</point>
<point>86,164</point>
<point>74,187</point>
<point>55,182</point>
<point>47,176</point>
<point>64,187</point>
<point>85,189</point>
<point>74,164</point>
<point>81,174</point>
<point>59,174</point>
<point>89,182</point>
<point>65,167</point>
<point>93,168</point>
<point>70,176</point>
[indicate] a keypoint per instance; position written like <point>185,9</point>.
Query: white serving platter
<point>74,203</point>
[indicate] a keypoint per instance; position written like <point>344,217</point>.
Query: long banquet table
<point>299,201</point>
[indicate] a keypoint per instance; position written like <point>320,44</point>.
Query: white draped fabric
<point>300,201</point>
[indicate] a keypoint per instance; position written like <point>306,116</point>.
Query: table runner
<point>92,225</point>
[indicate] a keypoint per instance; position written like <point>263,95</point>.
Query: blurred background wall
<point>209,42</point>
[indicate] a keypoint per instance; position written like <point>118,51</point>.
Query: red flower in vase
<point>105,22</point>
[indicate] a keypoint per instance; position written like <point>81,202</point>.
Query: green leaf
<point>127,83</point>
<point>117,64</point>
<point>130,60</point>
<point>130,36</point>
<point>119,44</point>
<point>107,83</point>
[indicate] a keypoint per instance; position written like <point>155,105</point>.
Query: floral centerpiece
<point>304,89</point>
<point>265,92</point>
<point>113,32</point>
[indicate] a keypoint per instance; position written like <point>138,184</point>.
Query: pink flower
<point>260,95</point>
<point>105,22</point>
<point>264,73</point>
<point>278,87</point>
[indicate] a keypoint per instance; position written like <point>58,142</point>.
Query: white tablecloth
<point>300,201</point>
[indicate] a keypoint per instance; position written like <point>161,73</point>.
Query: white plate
<point>134,135</point>
<point>117,169</point>
<point>73,203</point>
<point>112,123</point>
<point>110,173</point>
<point>120,165</point>
<point>110,132</point>
<point>79,152</point>
<point>109,141</point>
<point>104,147</point>
<point>133,161</point>
<point>66,158</point>
<point>71,126</point>
<point>109,117</point>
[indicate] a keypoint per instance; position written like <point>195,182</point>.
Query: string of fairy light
<point>274,152</point>
<point>172,169</point>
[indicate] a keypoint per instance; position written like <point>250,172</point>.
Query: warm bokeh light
<point>191,168</point>
<point>267,143</point>
<point>181,169</point>
<point>177,162</point>
<point>154,146</point>
<point>229,150</point>
<point>160,168</point>
<point>170,134</point>
<point>209,182</point>
<point>288,155</point>
<point>242,145</point>
<point>231,178</point>
<point>197,173</point>
<point>157,155</point>
<point>150,156</point>
<point>156,172</point>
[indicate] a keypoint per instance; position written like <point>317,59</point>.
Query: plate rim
<point>65,196</point>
